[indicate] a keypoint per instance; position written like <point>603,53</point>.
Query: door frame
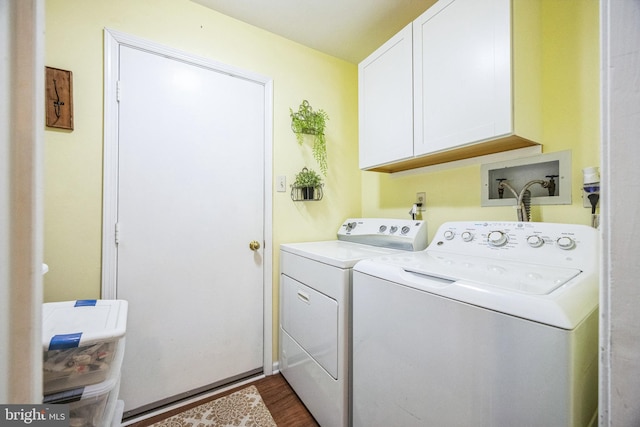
<point>112,42</point>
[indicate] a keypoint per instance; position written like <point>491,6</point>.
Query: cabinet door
<point>462,73</point>
<point>385,94</point>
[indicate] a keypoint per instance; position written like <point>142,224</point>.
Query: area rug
<point>243,408</point>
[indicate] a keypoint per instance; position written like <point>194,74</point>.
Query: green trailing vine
<point>306,121</point>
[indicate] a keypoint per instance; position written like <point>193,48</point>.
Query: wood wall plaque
<point>59,98</point>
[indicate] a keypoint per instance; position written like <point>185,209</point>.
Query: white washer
<point>494,324</point>
<point>315,294</point>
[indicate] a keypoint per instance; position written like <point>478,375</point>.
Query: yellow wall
<point>73,160</point>
<point>570,120</point>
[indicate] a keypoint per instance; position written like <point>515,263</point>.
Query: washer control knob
<point>449,235</point>
<point>393,229</point>
<point>467,236</point>
<point>566,243</point>
<point>351,225</point>
<point>405,229</point>
<point>382,229</point>
<point>497,238</point>
<point>535,241</point>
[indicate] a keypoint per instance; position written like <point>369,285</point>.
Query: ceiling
<point>346,29</point>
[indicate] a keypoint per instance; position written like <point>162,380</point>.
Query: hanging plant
<point>307,178</point>
<point>307,181</point>
<point>306,121</point>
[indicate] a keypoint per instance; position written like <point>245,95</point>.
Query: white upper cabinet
<point>462,73</point>
<point>385,95</point>
<point>457,77</point>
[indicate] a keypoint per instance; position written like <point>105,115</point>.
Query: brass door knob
<point>254,245</point>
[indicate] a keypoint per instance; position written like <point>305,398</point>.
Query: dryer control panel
<point>406,234</point>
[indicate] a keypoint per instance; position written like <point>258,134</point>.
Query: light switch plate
<point>281,183</point>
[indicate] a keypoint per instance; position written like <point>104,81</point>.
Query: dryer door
<point>311,318</point>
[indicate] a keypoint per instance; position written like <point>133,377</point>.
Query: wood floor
<point>285,407</point>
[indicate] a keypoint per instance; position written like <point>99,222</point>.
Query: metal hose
<point>526,205</point>
<point>524,212</point>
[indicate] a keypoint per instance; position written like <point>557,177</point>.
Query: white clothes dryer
<point>495,324</point>
<point>315,295</point>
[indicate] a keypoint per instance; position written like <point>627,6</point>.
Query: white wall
<point>21,127</point>
<point>620,316</point>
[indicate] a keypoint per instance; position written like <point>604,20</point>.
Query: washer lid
<point>498,273</point>
<point>556,296</point>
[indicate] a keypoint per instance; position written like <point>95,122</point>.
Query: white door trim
<point>112,42</point>
<point>22,41</point>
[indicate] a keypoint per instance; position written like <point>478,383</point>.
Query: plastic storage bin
<point>83,342</point>
<point>116,421</point>
<point>90,406</point>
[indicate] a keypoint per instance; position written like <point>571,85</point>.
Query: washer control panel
<point>404,234</point>
<point>545,243</point>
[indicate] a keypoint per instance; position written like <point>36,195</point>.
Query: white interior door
<point>190,198</point>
